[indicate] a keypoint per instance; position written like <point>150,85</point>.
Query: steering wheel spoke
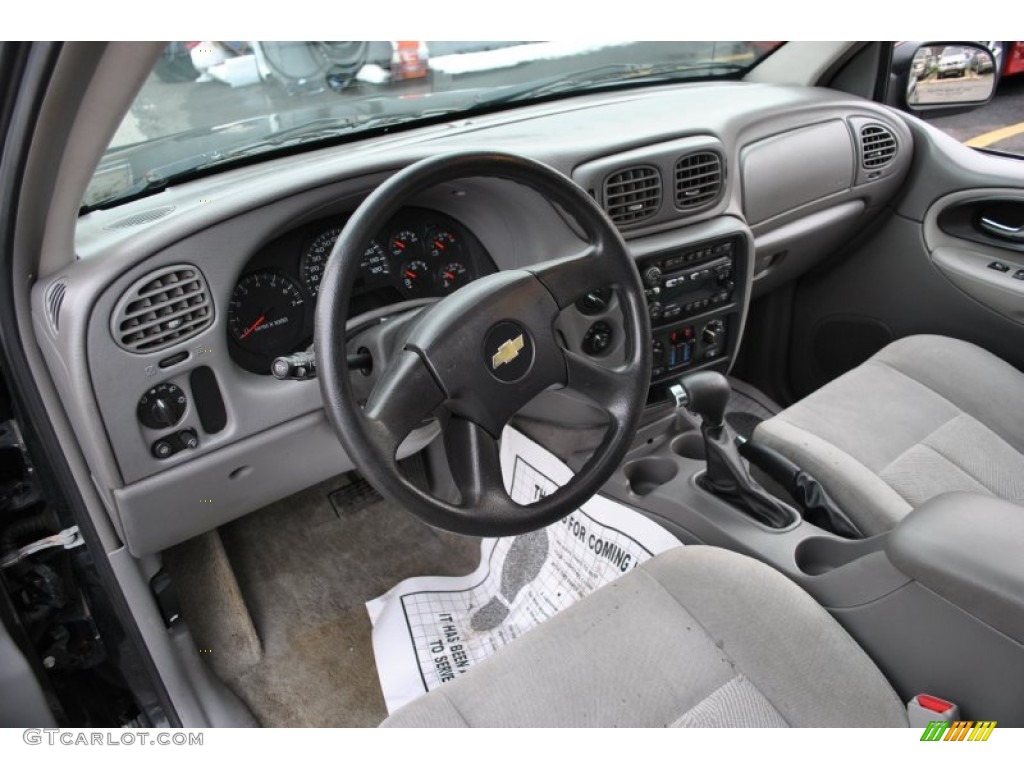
<point>402,399</point>
<point>608,387</point>
<point>570,277</point>
<point>474,460</point>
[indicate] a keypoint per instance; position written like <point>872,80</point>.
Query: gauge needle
<point>254,326</point>
<point>411,275</point>
<point>440,247</point>
<point>400,245</point>
<point>449,275</point>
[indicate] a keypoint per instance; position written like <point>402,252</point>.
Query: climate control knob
<point>162,406</point>
<point>713,332</point>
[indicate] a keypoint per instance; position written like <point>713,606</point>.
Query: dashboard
<point>419,254</point>
<point>160,336</point>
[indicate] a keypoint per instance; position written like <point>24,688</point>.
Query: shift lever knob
<point>707,395</point>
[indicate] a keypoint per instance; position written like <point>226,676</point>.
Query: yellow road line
<point>990,138</point>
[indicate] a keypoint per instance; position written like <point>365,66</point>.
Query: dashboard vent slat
<point>877,146</point>
<point>161,309</point>
<point>632,194</point>
<point>137,219</point>
<point>698,180</point>
<point>54,300</point>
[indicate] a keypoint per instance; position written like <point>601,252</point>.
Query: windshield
<point>212,103</point>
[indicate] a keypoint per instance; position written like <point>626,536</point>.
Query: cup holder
<point>690,445</point>
<point>644,475</point>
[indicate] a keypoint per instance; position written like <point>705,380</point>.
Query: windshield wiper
<point>608,76</point>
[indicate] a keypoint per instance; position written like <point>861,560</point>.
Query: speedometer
<point>375,266</point>
<point>315,259</point>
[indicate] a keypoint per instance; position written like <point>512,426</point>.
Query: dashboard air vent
<point>137,219</point>
<point>54,299</point>
<point>632,194</point>
<point>161,309</point>
<point>877,146</point>
<point>698,180</point>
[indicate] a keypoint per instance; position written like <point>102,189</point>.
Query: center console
<point>936,602</point>
<point>695,296</point>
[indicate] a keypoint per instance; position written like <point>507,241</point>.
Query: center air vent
<point>632,194</point>
<point>877,146</point>
<point>698,180</point>
<point>161,309</point>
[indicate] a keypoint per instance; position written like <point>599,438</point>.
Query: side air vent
<point>698,180</point>
<point>138,219</point>
<point>632,194</point>
<point>54,299</point>
<point>877,146</point>
<point>165,307</point>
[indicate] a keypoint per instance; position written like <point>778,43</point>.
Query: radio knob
<point>655,310</point>
<point>652,277</point>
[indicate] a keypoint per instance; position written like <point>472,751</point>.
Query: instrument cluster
<point>418,254</point>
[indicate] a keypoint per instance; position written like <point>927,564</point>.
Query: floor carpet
<point>304,568</point>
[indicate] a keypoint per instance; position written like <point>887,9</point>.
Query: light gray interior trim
<point>769,186</point>
<point>965,263</point>
<point>101,383</point>
<point>967,267</point>
<point>924,643</point>
<point>207,492</point>
<point>24,702</point>
<point>943,165</point>
<point>805,64</point>
<point>120,73</point>
<point>784,253</point>
<point>967,548</point>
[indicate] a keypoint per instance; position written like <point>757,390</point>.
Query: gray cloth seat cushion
<point>924,416</point>
<point>697,636</point>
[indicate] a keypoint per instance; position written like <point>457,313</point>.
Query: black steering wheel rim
<point>440,370</point>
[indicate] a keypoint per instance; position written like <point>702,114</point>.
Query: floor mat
<point>430,629</point>
<point>305,571</point>
<point>748,407</point>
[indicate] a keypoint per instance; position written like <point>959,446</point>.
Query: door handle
<point>1005,231</point>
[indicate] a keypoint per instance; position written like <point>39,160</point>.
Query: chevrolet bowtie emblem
<point>507,352</point>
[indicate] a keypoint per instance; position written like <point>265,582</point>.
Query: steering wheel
<point>475,358</point>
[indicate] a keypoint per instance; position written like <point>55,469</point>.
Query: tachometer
<point>266,314</point>
<point>314,262</point>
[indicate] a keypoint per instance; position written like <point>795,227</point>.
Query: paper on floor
<point>430,629</point>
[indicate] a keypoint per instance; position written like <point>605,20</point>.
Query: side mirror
<point>941,78</point>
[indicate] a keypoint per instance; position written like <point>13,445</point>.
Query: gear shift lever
<point>706,393</point>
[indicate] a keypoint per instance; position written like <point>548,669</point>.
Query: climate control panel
<point>688,344</point>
